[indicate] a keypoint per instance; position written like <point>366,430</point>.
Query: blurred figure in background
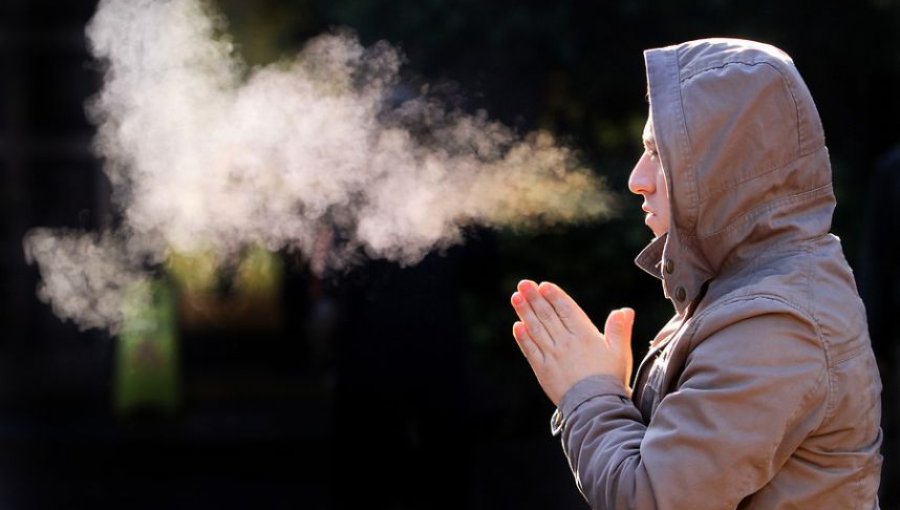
<point>879,284</point>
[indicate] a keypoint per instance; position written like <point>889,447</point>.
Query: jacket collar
<point>650,258</point>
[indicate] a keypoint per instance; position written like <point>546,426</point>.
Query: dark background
<point>392,387</point>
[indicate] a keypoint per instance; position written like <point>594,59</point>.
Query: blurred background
<point>383,387</point>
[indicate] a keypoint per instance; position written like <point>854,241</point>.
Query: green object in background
<point>260,272</point>
<point>147,378</point>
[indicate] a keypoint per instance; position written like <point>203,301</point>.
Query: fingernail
<point>517,299</point>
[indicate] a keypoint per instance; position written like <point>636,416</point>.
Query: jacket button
<point>680,294</point>
<point>669,266</point>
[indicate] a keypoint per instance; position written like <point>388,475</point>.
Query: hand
<point>561,343</point>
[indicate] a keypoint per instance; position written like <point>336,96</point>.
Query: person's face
<point>648,180</point>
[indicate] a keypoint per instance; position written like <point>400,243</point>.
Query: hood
<point>742,146</point>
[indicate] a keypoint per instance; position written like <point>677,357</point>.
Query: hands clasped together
<point>561,343</point>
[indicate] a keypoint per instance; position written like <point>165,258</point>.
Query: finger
<point>528,346</point>
<point>536,329</point>
<point>618,327</point>
<point>523,284</point>
<point>544,311</point>
<point>570,314</point>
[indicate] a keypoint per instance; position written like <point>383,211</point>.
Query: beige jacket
<point>762,392</point>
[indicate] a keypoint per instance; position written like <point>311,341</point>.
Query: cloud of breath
<point>206,154</point>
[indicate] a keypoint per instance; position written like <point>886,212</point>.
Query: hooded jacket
<point>762,392</point>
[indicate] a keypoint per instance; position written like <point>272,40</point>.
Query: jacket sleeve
<point>747,397</point>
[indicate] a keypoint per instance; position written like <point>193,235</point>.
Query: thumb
<point>618,327</point>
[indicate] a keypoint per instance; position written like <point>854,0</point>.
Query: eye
<point>652,153</point>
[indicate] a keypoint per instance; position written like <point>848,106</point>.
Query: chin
<point>657,231</point>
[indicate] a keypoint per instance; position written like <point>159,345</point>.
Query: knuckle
<point>544,314</point>
<point>542,339</point>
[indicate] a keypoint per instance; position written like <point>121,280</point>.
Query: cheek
<point>661,186</point>
<point>661,181</point>
<point>663,191</point>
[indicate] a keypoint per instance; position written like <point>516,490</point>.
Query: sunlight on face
<point>648,180</point>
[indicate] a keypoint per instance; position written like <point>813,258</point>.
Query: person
<point>762,391</point>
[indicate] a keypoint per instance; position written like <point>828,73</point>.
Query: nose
<point>642,180</point>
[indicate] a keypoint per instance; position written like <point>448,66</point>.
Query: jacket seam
<point>700,317</point>
<point>790,86</point>
<point>687,159</point>
<point>776,168</point>
<point>754,213</point>
<point>831,397</point>
<point>723,64</point>
<point>851,355</point>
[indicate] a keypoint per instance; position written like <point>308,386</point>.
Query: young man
<point>762,392</point>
